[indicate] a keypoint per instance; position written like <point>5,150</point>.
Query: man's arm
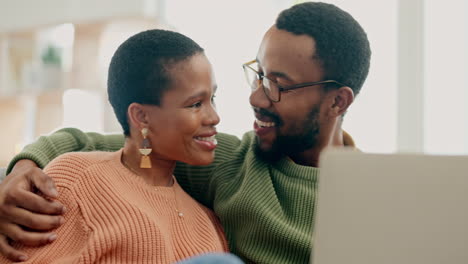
<point>46,148</point>
<point>21,207</point>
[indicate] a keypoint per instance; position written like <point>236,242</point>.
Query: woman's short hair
<point>138,72</point>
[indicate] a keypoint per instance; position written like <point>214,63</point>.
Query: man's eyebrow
<point>281,75</point>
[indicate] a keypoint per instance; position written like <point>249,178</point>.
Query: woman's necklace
<point>179,213</point>
<point>169,184</point>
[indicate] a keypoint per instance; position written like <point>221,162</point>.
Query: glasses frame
<point>281,88</point>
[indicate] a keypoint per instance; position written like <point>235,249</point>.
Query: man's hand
<point>27,213</point>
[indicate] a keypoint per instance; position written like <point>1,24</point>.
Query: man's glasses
<point>271,87</point>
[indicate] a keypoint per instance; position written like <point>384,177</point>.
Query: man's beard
<point>304,137</point>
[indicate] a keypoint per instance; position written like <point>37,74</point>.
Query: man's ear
<point>137,116</point>
<point>342,99</point>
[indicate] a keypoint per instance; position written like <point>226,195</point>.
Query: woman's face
<point>182,128</point>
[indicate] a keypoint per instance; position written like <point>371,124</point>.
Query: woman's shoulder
<point>81,159</point>
<point>68,167</point>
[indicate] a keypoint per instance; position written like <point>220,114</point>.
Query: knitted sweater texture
<point>267,210</point>
<point>114,216</point>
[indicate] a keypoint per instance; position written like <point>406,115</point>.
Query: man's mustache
<point>269,114</point>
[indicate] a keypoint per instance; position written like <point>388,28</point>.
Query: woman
<point>127,206</point>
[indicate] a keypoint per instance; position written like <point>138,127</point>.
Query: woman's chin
<point>204,159</point>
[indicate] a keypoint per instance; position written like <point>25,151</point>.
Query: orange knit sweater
<point>113,216</point>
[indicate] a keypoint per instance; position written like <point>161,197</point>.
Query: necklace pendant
<point>181,214</point>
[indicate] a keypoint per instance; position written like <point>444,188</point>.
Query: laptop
<point>391,209</point>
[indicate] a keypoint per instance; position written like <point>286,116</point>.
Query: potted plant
<point>51,77</point>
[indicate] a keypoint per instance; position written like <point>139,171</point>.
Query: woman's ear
<point>137,116</point>
<point>343,98</point>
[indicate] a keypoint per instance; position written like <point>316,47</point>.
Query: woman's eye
<point>213,98</point>
<point>196,105</point>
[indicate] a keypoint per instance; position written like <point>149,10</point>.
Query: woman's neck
<point>161,171</point>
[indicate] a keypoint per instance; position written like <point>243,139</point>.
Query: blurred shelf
<point>21,15</point>
<point>47,96</point>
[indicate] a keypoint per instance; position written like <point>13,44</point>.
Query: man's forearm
<point>46,148</point>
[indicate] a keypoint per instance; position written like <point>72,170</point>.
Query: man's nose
<point>259,99</point>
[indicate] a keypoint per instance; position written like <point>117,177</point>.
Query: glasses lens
<point>252,77</point>
<point>270,88</point>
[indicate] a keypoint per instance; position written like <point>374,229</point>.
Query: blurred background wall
<point>54,56</point>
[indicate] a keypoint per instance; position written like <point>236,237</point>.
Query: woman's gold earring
<point>145,150</point>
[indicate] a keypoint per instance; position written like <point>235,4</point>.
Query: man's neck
<point>310,157</point>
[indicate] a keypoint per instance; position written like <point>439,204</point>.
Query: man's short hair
<point>342,46</point>
<point>138,72</point>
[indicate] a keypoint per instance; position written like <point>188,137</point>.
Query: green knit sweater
<point>267,210</point>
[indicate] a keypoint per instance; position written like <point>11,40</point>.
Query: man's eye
<point>213,98</point>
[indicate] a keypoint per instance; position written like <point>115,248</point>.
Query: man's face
<point>292,125</point>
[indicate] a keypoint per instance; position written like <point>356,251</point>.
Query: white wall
<point>446,83</point>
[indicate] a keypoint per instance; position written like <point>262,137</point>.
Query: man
<point>309,67</point>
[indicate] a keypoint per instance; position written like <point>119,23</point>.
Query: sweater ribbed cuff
<point>40,158</point>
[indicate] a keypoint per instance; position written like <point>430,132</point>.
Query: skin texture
<point>21,206</point>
